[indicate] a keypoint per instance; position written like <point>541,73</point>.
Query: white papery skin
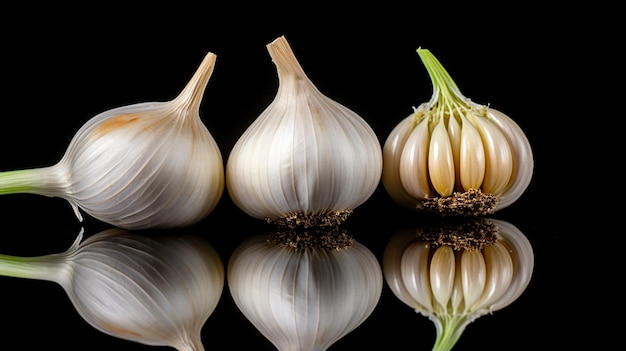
<point>147,165</point>
<point>153,290</point>
<point>304,299</point>
<point>305,154</point>
<point>453,288</point>
<point>451,144</point>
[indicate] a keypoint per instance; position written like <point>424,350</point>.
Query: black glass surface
<point>55,81</point>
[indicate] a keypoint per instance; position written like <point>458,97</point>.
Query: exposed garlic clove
<point>454,157</point>
<point>146,165</point>
<point>304,291</point>
<point>156,290</point>
<point>306,160</point>
<point>459,271</point>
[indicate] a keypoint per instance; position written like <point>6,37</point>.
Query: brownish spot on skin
<point>116,122</point>
<point>118,331</point>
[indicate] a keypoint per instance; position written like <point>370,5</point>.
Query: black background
<point>58,71</point>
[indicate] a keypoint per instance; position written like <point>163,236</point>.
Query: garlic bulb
<point>306,160</point>
<point>156,290</point>
<point>452,156</point>
<point>146,165</point>
<point>304,291</point>
<point>457,272</point>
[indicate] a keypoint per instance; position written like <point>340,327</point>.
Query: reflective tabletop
<point>366,299</point>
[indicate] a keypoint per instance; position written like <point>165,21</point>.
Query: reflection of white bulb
<point>453,285</point>
<point>154,290</point>
<point>304,299</point>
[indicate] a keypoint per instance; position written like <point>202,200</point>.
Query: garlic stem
<point>189,99</point>
<point>288,67</point>
<point>449,329</point>
<point>49,267</point>
<point>447,99</point>
<point>445,90</point>
<point>48,181</point>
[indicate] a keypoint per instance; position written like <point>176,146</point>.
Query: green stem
<point>48,267</point>
<point>444,87</point>
<point>48,181</point>
<point>53,267</point>
<point>449,330</point>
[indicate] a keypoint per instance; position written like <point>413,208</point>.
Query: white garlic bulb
<point>155,290</point>
<point>452,156</point>
<point>306,159</point>
<point>304,291</point>
<point>457,272</point>
<point>146,165</point>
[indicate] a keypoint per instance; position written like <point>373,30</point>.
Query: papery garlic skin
<point>455,286</point>
<point>305,155</point>
<point>304,299</point>
<point>146,165</point>
<point>153,290</point>
<point>451,146</point>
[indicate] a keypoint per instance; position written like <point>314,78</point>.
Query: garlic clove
<point>473,267</point>
<point>392,155</point>
<point>471,157</point>
<point>304,291</point>
<point>155,290</point>
<point>413,287</point>
<point>441,160</point>
<point>473,276</point>
<point>413,176</point>
<point>306,160</point>
<point>454,157</point>
<point>146,165</point>
<point>500,265</point>
<point>442,271</point>
<point>499,165</point>
<point>523,167</point>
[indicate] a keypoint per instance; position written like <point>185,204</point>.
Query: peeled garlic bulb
<point>457,272</point>
<point>452,156</point>
<point>306,159</point>
<point>146,165</point>
<point>156,290</point>
<point>300,291</point>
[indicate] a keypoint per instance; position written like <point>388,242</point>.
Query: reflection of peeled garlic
<point>454,274</point>
<point>155,290</point>
<point>302,296</point>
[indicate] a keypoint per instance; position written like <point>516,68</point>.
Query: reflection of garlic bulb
<point>146,165</point>
<point>454,274</point>
<point>306,159</point>
<point>452,156</point>
<point>300,295</point>
<point>156,290</point>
